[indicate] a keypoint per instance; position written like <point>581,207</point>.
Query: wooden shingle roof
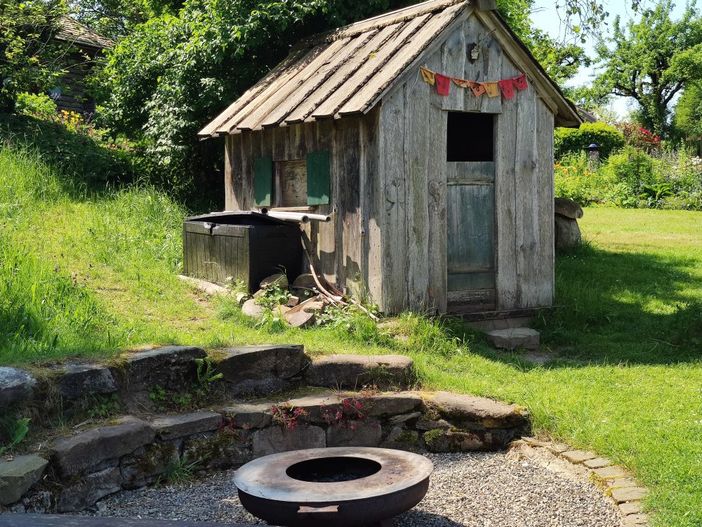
<point>73,32</point>
<point>347,71</point>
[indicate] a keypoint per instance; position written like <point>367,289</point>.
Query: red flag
<point>443,84</point>
<point>507,89</point>
<point>520,82</point>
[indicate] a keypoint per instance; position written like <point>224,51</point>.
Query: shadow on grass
<point>614,308</point>
<point>86,166</point>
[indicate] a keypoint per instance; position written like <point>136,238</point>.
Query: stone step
<point>357,371</point>
<point>45,520</point>
<point>260,370</point>
<point>514,338</point>
<point>131,452</point>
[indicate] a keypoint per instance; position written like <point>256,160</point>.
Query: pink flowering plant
<point>287,415</point>
<point>346,414</point>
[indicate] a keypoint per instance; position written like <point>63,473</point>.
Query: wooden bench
<point>60,520</point>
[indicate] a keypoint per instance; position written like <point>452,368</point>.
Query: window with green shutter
<point>263,181</point>
<point>318,178</point>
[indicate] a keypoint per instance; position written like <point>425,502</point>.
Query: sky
<point>546,17</point>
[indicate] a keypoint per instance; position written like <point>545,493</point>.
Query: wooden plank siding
<point>346,247</point>
<point>414,172</point>
<point>390,175</point>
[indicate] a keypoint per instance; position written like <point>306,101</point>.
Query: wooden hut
<point>440,201</point>
<point>84,47</point>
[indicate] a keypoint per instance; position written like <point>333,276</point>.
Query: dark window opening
<point>470,137</point>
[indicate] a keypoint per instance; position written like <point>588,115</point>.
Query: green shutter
<point>263,181</point>
<point>318,178</point>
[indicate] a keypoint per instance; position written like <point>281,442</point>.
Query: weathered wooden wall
<point>348,247</point>
<point>389,182</point>
<point>413,175</point>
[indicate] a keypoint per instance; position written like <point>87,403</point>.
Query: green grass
<point>93,273</point>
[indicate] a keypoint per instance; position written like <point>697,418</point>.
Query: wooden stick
<point>324,291</point>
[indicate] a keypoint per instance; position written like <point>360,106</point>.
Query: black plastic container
<point>245,246</point>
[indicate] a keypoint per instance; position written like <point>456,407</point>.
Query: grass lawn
<point>90,274</point>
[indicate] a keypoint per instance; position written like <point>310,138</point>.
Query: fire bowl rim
<point>266,476</point>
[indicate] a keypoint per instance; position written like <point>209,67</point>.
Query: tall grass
<point>63,259</point>
<point>43,309</point>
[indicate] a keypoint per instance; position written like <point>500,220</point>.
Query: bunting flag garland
<point>443,84</point>
<point>427,76</point>
<point>506,87</point>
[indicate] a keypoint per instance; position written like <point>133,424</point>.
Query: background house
<point>439,202</point>
<point>71,92</point>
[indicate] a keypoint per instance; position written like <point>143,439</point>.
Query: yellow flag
<point>427,75</point>
<point>492,89</point>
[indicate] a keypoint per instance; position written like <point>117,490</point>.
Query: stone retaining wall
<point>71,472</point>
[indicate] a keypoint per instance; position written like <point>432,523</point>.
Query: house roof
<point>347,71</point>
<point>72,31</point>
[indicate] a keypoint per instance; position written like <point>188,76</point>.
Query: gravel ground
<point>471,490</point>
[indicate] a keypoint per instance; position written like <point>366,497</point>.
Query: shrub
<point>66,143</point>
<point>40,105</point>
<point>641,138</point>
<point>632,178</point>
<point>576,140</point>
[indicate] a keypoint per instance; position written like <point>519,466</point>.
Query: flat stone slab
<point>610,472</point>
<point>18,476</point>
<point>176,426</point>
<point>72,455</point>
<point>249,416</point>
<point>578,456</point>
<point>63,520</point>
<point>356,371</point>
<point>621,495</point>
<point>78,380</point>
<point>466,411</point>
<point>15,386</point>
<point>260,369</point>
<point>168,367</point>
<point>514,338</point>
<point>598,462</point>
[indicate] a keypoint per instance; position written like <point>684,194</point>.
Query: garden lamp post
<point>593,154</point>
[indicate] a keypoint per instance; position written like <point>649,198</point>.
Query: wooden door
<point>471,236</point>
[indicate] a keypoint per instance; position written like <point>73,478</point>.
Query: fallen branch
<point>334,298</point>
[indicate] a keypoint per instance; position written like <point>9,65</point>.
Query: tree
<point>652,60</point>
<point>687,119</point>
<point>28,53</point>
<point>117,18</point>
<point>176,71</point>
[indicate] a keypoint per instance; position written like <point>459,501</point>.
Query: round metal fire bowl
<point>267,490</point>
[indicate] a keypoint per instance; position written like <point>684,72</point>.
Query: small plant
<point>346,414</point>
<point>101,407</point>
<point>273,296</point>
<point>183,400</point>
<point>180,471</point>
<point>40,106</point>
<point>15,430</point>
<point>287,415</point>
<point>206,373</point>
<point>158,396</point>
